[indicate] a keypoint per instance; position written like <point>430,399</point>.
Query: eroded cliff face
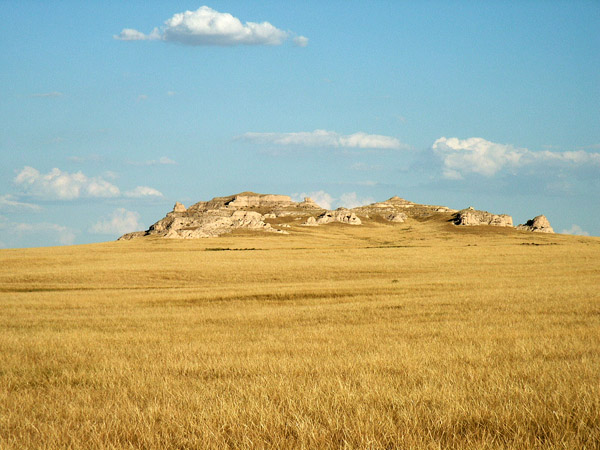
<point>277,213</point>
<point>538,224</point>
<point>471,216</point>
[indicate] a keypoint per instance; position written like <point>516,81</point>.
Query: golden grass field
<point>409,336</point>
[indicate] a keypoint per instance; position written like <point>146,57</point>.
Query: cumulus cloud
<point>8,202</point>
<point>121,221</point>
<point>205,26</point>
<point>57,184</point>
<point>477,155</point>
<point>576,230</point>
<point>143,191</point>
<point>351,200</point>
<point>60,185</point>
<point>324,138</point>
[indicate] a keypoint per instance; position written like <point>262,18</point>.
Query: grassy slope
<point>414,336</point>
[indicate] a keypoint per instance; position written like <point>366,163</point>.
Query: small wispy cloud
<point>206,26</point>
<point>324,138</point>
<point>162,161</point>
<point>93,158</point>
<point>143,191</point>
<point>10,203</point>
<point>300,41</point>
<point>121,221</point>
<point>47,95</point>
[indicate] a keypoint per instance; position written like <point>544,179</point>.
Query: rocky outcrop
<point>130,236</point>
<point>341,215</point>
<point>221,215</point>
<point>398,217</point>
<point>310,222</point>
<point>272,213</point>
<point>538,224</point>
<point>308,203</point>
<point>471,216</point>
<point>178,208</point>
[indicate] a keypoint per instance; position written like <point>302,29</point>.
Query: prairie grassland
<point>420,336</point>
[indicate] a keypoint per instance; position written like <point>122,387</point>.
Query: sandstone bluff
<point>279,214</point>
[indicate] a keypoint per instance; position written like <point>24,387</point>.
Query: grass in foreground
<point>409,336</point>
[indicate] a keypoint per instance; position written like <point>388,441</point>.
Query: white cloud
<point>143,191</point>
<point>57,184</point>
<point>142,97</point>
<point>47,95</point>
<point>477,155</point>
<point>351,200</point>
<point>300,41</point>
<point>205,26</point>
<point>324,138</point>
<point>8,202</point>
<point>576,230</point>
<point>120,221</point>
<point>39,233</point>
<point>129,34</point>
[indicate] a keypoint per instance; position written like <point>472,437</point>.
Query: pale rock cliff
<point>471,216</point>
<point>538,224</point>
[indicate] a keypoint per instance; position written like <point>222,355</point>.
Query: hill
<point>414,334</point>
<point>275,213</point>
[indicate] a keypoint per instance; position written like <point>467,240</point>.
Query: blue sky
<point>112,111</point>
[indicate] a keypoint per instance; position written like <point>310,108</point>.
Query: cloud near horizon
<point>46,233</point>
<point>575,230</point>
<point>479,156</point>
<point>59,185</point>
<point>324,138</point>
<point>206,26</point>
<point>121,221</point>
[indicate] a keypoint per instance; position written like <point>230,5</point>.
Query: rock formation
<point>339,215</point>
<point>271,213</point>
<point>178,208</point>
<point>396,217</point>
<point>538,224</point>
<point>471,216</point>
<point>221,215</point>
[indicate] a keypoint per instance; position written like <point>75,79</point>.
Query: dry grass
<point>419,336</point>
